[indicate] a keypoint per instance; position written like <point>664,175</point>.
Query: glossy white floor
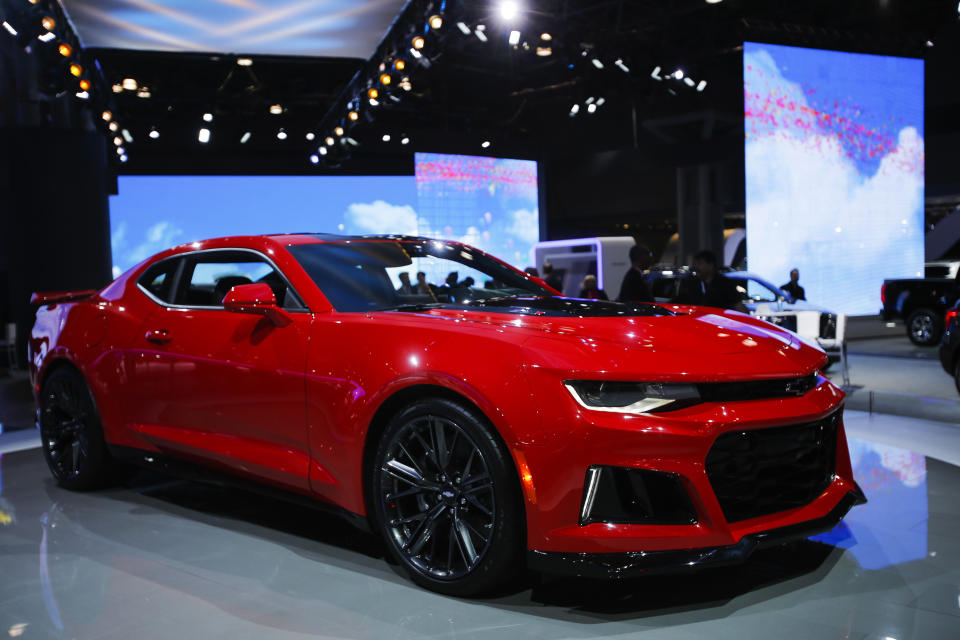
<point>164,558</point>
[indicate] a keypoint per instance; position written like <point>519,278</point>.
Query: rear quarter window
<point>159,280</point>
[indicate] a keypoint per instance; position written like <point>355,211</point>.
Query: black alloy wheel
<point>71,434</point>
<point>923,327</point>
<point>445,497</point>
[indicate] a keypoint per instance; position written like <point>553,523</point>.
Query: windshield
<point>377,275</point>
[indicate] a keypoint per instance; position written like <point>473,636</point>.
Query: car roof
<point>313,237</point>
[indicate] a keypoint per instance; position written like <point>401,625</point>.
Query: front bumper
<point>642,563</point>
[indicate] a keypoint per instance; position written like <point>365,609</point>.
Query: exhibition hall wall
<point>834,171</point>
<point>491,203</point>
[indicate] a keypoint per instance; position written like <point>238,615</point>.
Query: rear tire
<point>71,434</point>
<point>924,327</point>
<point>445,497</point>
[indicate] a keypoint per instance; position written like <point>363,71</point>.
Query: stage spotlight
<point>385,79</point>
<point>481,36</point>
<point>678,74</point>
<point>435,22</point>
<point>546,37</point>
<point>372,93</point>
<point>143,92</point>
<point>353,116</point>
<point>596,62</point>
<point>123,158</point>
<point>154,134</point>
<point>416,54</point>
<point>351,141</point>
<point>76,70</point>
<point>701,85</point>
<point>130,84</point>
<point>600,101</point>
<point>84,84</point>
<point>244,62</point>
<point>714,1</point>
<point>405,84</point>
<point>314,158</point>
<point>203,135</point>
<point>322,151</point>
<point>373,102</point>
<point>9,28</point>
<point>113,126</point>
<point>281,135</point>
<point>623,67</point>
<point>329,141</point>
<point>574,110</point>
<point>485,144</point>
<point>276,109</point>
<point>418,42</point>
<point>404,140</point>
<point>117,141</point>
<point>48,23</point>
<point>514,38</point>
<point>65,50</point>
<point>107,116</point>
<point>245,137</point>
<point>208,117</point>
<point>591,108</point>
<point>83,95</point>
<point>386,137</point>
<point>338,131</point>
<point>399,64</point>
<point>464,29</point>
<point>310,135</point>
<point>121,151</point>
<point>508,10</point>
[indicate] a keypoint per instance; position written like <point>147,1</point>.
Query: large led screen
<point>834,171</point>
<point>487,202</point>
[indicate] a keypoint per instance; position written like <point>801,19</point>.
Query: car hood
<point>581,335</point>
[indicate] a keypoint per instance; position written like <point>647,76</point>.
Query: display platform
<point>165,558</point>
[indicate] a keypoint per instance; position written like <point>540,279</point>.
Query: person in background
<point>423,287</point>
<point>531,271</point>
<point>709,287</point>
<point>590,290</point>
<point>793,287</point>
<point>634,287</point>
<point>551,277</point>
<point>405,287</point>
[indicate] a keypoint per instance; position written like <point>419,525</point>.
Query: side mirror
<point>258,299</point>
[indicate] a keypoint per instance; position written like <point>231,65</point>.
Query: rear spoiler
<point>51,297</point>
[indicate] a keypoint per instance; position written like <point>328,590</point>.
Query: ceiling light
<point>623,67</point>
<point>464,29</point>
<point>245,137</point>
<point>83,95</point>
<point>404,140</point>
<point>546,37</point>
<point>48,23</point>
<point>129,84</point>
<point>678,74</point>
<point>416,54</point>
<point>118,88</point>
<point>208,117</point>
<point>322,151</point>
<point>386,137</point>
<point>373,102</point>
<point>351,141</point>
<point>281,135</point>
<point>543,52</point>
<point>574,110</point>
<point>121,151</point>
<point>84,84</point>
<point>310,135</point>
<point>481,36</point>
<point>123,157</point>
<point>405,84</point>
<point>46,37</point>
<point>418,42</point>
<point>485,144</point>
<point>655,74</point>
<point>399,64</point>
<point>107,116</point>
<point>714,1</point>
<point>591,108</point>
<point>65,50</point>
<point>596,62</point>
<point>701,85</point>
<point>688,81</point>
<point>276,109</point>
<point>204,135</point>
<point>154,134</point>
<point>143,92</point>
<point>245,62</point>
<point>508,10</point>
<point>353,115</point>
<point>314,158</point>
<point>385,79</point>
<point>76,70</point>
<point>435,22</point>
<point>338,131</point>
<point>117,140</point>
<point>9,28</point>
<point>330,141</point>
<point>372,93</point>
<point>589,100</point>
<point>514,38</point>
<point>113,126</point>
<point>127,136</point>
<point>600,101</point>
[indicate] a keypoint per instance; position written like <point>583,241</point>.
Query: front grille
<point>828,326</point>
<point>756,389</point>
<point>761,471</point>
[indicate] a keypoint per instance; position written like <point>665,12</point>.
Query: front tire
<point>445,497</point>
<point>924,328</point>
<point>71,435</point>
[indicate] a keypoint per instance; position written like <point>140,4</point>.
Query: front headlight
<point>632,397</point>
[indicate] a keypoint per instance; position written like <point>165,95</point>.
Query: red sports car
<point>471,417</point>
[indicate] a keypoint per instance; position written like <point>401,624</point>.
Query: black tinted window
<point>159,279</point>
<point>208,276</point>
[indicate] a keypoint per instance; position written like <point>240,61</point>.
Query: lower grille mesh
<point>761,471</point>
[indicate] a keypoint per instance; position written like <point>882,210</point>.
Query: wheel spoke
<point>424,530</point>
<point>473,500</point>
<point>407,474</point>
<point>412,491</point>
<point>464,541</point>
<point>440,444</point>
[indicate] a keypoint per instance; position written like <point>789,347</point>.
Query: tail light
<point>883,294</point>
<point>950,317</point>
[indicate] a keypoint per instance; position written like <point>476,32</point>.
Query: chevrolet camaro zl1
<point>461,409</point>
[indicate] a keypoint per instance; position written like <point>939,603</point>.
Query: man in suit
<point>708,287</point>
<point>634,287</point>
<point>793,287</point>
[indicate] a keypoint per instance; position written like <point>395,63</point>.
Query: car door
<point>236,397</point>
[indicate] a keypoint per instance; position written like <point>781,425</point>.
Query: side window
<point>159,279</point>
<point>757,292</point>
<point>209,276</point>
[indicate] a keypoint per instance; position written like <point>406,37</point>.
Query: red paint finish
<point>288,397</point>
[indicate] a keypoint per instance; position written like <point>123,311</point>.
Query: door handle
<point>158,336</point>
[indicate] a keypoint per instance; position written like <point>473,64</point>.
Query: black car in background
<point>921,303</point>
<point>950,345</point>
